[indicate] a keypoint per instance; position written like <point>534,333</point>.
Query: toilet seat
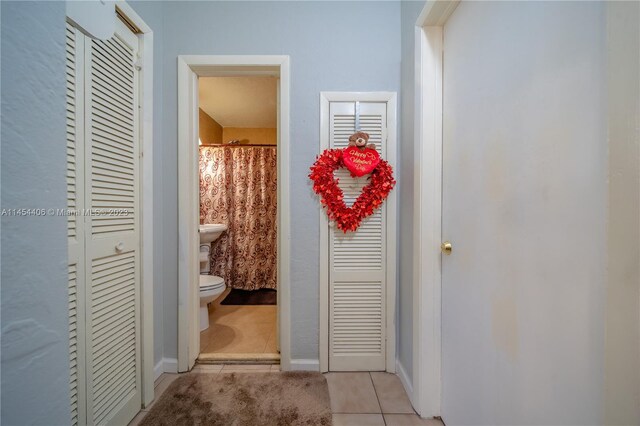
<point>210,282</point>
<point>211,287</point>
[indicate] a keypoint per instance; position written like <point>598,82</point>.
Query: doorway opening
<point>237,128</point>
<point>233,210</point>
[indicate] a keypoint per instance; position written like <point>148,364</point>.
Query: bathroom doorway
<point>237,129</point>
<point>233,210</point>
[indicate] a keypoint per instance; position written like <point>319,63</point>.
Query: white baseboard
<point>170,365</point>
<point>158,370</point>
<point>405,380</point>
<point>165,365</point>
<point>305,365</point>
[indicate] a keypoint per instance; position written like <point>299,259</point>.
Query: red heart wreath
<point>326,185</point>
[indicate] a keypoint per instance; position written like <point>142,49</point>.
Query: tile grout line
<point>266,343</point>
<point>377,398</point>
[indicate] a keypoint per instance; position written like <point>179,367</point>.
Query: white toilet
<point>211,286</point>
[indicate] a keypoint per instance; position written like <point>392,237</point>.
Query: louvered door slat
<point>104,252</point>
<point>73,342</point>
<point>357,286</point>
<point>113,109</point>
<point>75,224</point>
<point>113,298</point>
<point>71,128</point>
<point>111,78</point>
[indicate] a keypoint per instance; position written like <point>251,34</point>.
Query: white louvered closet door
<point>112,238</point>
<point>104,246</point>
<point>357,260</point>
<point>75,200</point>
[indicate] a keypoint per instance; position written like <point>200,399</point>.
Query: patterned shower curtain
<point>238,188</point>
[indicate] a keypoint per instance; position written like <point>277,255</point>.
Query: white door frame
<point>190,67</point>
<point>427,274</point>
<point>390,99</point>
<point>146,197</point>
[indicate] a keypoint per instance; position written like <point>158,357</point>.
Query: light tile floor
<point>357,399</point>
<point>237,330</point>
<point>363,399</point>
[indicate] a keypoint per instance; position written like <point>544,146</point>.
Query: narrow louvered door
<point>357,260</point>
<point>75,223</point>
<point>112,230</point>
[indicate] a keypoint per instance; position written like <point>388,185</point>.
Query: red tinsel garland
<point>332,197</point>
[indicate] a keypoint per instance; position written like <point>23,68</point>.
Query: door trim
<point>190,67</point>
<point>391,227</point>
<point>146,198</point>
<point>427,274</point>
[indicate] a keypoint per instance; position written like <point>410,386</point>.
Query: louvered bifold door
<point>112,236</point>
<point>357,285</point>
<point>75,228</point>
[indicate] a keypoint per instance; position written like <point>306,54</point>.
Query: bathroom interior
<point>238,205</point>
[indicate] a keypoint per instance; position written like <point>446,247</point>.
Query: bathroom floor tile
<point>352,393</point>
<point>271,346</point>
<point>238,338</point>
<point>393,399</point>
<point>246,329</point>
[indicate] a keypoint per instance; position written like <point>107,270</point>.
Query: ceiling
<point>248,102</point>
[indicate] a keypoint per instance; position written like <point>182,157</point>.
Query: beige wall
<point>249,136</point>
<point>210,130</point>
<point>212,133</point>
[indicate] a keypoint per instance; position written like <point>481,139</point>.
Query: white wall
<point>329,51</point>
<point>34,301</point>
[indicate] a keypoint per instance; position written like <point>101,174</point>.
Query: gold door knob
<point>446,248</point>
